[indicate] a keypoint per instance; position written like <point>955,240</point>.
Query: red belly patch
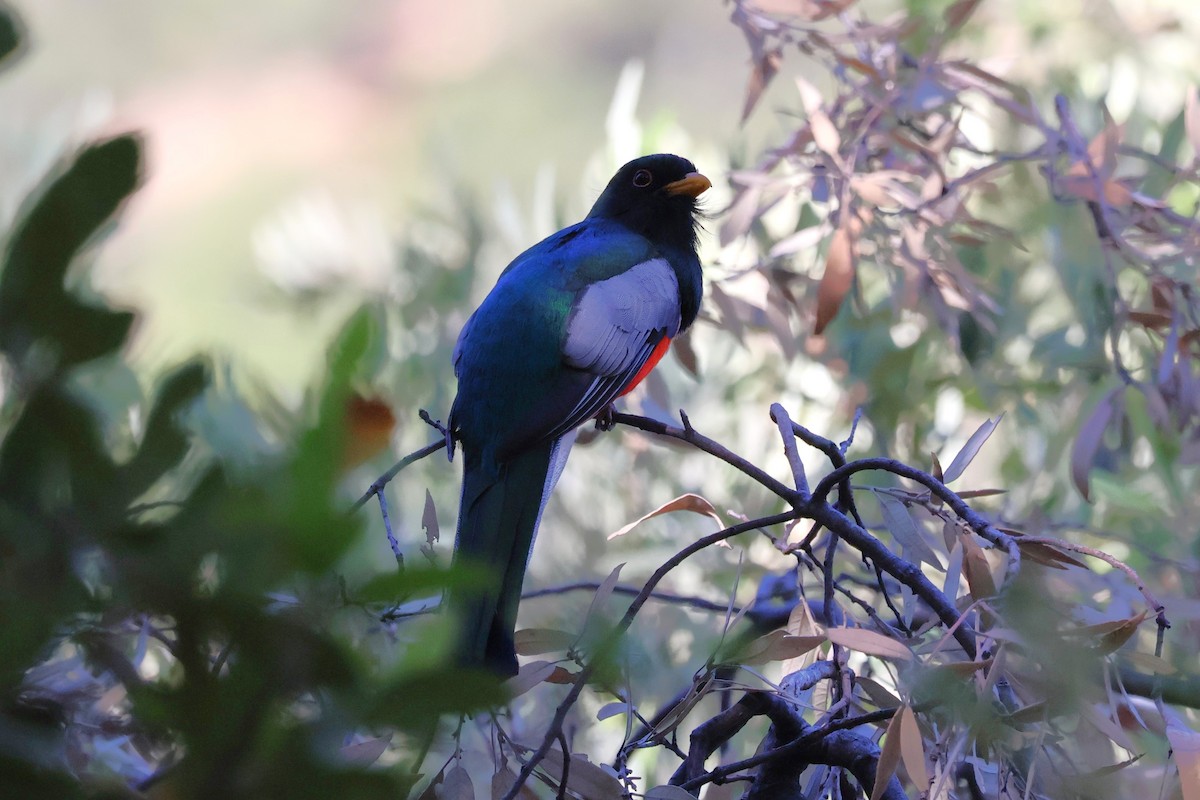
<point>656,355</point>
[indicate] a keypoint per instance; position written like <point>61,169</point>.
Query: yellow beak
<point>693,184</point>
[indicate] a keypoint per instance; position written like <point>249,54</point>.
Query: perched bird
<point>572,323</point>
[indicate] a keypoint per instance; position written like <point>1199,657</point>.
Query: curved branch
<point>1160,610</point>
<point>947,495</point>
<point>383,480</point>
<point>701,442</point>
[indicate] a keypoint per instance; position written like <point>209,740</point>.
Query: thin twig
<point>385,478</point>
<point>1160,611</point>
<point>977,523</point>
<point>786,432</point>
<point>663,597</point>
<point>688,434</point>
<point>387,527</point>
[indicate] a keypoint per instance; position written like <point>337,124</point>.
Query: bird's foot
<point>604,419</point>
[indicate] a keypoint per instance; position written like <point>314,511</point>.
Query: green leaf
<point>34,303</point>
<point>54,458</point>
<point>164,443</point>
<point>317,523</point>
<point>416,701</point>
<point>395,586</point>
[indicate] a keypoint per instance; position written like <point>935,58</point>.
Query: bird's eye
<point>642,178</point>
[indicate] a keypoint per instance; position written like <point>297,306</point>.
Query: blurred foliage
<point>149,593</point>
<point>187,609</point>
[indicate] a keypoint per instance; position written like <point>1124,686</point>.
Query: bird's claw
<point>604,419</point>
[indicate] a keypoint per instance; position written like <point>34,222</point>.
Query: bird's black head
<point>655,196</point>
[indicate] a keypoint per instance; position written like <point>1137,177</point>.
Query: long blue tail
<point>497,522</point>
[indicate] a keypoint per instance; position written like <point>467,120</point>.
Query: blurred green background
<point>360,115</point>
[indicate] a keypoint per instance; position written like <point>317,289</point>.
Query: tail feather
<point>497,523</point>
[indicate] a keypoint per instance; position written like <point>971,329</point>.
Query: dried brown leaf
<point>1115,639</point>
<point>369,426</point>
<point>1101,721</point>
<point>529,676</point>
<point>1185,747</point>
<point>858,65</point>
<point>801,623</point>
<point>562,676</point>
<point>889,756</point>
<point>1155,320</point>
<point>959,12</point>
<point>971,493</point>
<point>1102,149</point>
<point>678,712</point>
<point>912,749</point>
<point>869,642</point>
<point>1083,186</point>
<point>778,645</point>
<point>457,785</point>
<point>761,74</point>
<point>686,502</point>
<point>837,279</point>
<point>977,569</point>
<point>588,780</point>
<point>874,189</point>
<point>536,641</point>
<point>732,309</point>
<point>1039,553</point>
<point>830,7</point>
<point>1048,555</point>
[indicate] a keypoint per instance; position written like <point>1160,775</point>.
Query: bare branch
<point>385,478</point>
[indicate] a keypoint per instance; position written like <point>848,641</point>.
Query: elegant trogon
<point>572,323</point>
